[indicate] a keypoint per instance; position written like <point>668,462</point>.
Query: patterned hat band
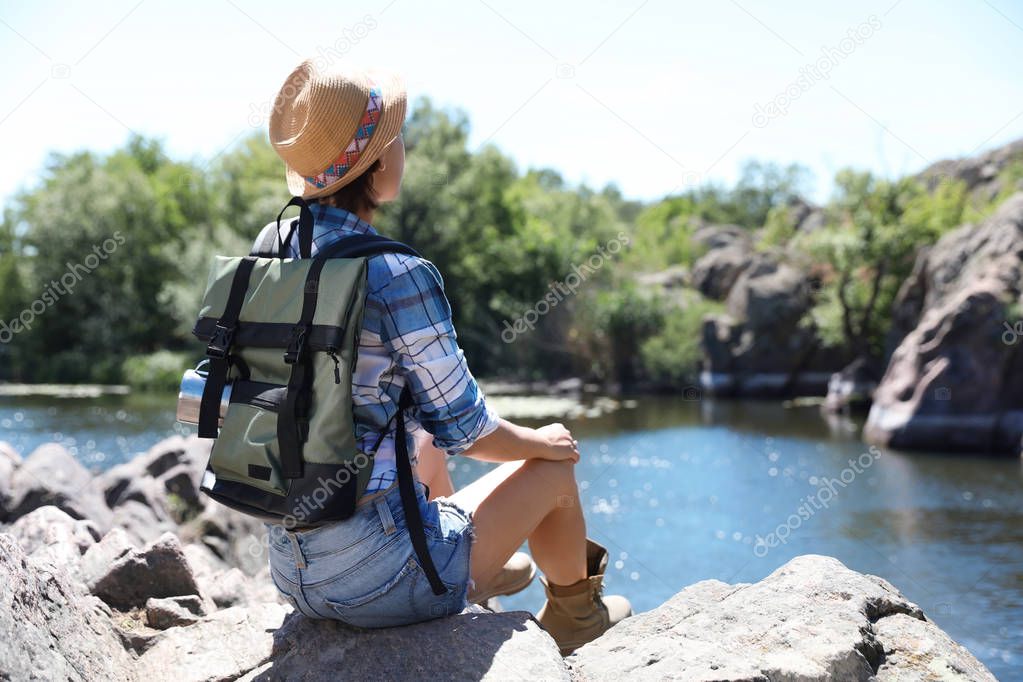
<point>348,158</point>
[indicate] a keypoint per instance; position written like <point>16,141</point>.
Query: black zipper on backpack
<point>331,351</point>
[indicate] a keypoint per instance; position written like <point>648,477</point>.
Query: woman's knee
<point>560,473</point>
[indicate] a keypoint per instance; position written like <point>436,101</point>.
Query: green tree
<point>102,234</point>
<point>867,248</point>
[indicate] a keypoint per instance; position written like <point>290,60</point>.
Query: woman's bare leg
<point>536,500</point>
<point>432,469</point>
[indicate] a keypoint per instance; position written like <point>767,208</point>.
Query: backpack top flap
<point>273,301</point>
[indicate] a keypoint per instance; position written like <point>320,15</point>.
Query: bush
<point>159,372</point>
<point>674,355</point>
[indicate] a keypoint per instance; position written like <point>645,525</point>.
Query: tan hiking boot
<point>516,575</point>
<point>579,613</point>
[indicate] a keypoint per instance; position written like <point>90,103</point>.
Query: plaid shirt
<point>407,335</point>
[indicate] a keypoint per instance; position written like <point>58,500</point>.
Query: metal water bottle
<point>193,383</point>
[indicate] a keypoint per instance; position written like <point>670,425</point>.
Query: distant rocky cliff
<point>955,379</point>
<point>132,575</point>
<point>953,375</point>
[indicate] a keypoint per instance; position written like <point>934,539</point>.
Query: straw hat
<point>330,124</point>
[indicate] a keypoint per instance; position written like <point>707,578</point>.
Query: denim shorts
<point>364,572</point>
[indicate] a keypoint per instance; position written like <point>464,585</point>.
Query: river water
<point>682,491</point>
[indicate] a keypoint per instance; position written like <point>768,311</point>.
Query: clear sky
<point>651,95</point>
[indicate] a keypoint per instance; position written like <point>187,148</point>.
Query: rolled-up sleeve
<point>417,329</point>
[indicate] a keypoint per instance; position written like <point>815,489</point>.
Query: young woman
<point>339,134</point>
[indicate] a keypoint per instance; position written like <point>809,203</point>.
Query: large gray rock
<point>223,646</point>
<point>718,236</point>
<point>168,612</point>
<point>52,476</point>
<point>915,649</point>
<point>154,492</point>
<point>762,347</point>
<point>98,558</point>
<point>234,588</point>
<point>158,570</point>
<point>771,293</point>
<point>141,522</point>
<point>671,278</point>
<point>9,461</point>
<point>165,478</point>
<point>851,389</point>
<point>469,646</point>
<point>48,631</point>
<point>953,380</point>
<point>715,273</point>
<point>235,538</point>
<point>979,173</point>
<point>265,643</point>
<point>812,619</point>
<point>49,534</point>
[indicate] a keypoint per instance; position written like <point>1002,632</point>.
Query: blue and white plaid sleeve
<point>416,327</point>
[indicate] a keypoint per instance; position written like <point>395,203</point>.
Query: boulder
<point>851,389</point>
<point>171,467</point>
<point>762,347</point>
<point>140,522</point>
<point>49,534</point>
<point>233,588</point>
<point>166,455</point>
<point>48,630</point>
<point>235,538</point>
<point>98,558</point>
<point>153,493</point>
<point>202,560</point>
<point>171,612</point>
<point>915,649</point>
<point>181,486</point>
<point>158,570</point>
<point>222,646</point>
<point>711,237</point>
<point>264,642</point>
<point>715,273</point>
<point>978,173</point>
<point>674,277</point>
<point>52,476</point>
<point>812,619</point>
<point>951,382</point>
<point>9,454</point>
<point>145,490</point>
<point>771,293</point>
<point>9,461</point>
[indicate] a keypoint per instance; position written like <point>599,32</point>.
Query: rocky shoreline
<point>133,575</point>
<point>950,380</point>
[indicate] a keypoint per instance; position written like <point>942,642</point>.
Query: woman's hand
<point>559,443</point>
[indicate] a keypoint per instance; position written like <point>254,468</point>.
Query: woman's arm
<point>510,442</point>
<point>417,329</point>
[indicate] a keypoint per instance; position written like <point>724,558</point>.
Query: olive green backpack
<point>282,335</point>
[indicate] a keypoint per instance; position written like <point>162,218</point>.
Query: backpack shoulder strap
<point>363,245</point>
<point>266,243</point>
<point>355,246</point>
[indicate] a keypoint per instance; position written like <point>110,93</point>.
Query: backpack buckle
<point>295,345</point>
<point>220,342</point>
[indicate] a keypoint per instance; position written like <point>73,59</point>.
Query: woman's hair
<point>357,195</point>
